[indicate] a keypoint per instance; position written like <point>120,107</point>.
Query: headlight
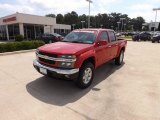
<point>37,51</point>
<point>68,56</point>
<point>66,64</point>
<point>69,61</point>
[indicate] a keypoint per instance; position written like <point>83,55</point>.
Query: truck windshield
<point>86,37</point>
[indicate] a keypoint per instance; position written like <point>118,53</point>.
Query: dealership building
<point>30,26</point>
<point>153,25</point>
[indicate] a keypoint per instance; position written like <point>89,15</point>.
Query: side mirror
<point>102,42</point>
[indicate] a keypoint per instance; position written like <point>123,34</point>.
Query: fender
<point>121,45</point>
<point>84,56</point>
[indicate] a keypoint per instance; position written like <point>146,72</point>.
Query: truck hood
<point>65,48</point>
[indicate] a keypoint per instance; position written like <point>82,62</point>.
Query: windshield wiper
<point>65,41</point>
<point>74,41</point>
<point>77,41</point>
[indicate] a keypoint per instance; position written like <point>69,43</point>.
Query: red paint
<point>9,19</point>
<point>100,51</point>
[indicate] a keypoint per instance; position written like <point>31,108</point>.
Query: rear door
<point>102,51</point>
<point>113,44</point>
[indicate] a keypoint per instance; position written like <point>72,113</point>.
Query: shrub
<point>19,37</point>
<point>16,46</point>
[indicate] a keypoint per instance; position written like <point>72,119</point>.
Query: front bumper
<point>57,71</point>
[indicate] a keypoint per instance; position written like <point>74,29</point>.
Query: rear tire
<point>86,74</point>
<point>119,59</point>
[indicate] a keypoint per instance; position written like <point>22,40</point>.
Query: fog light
<point>63,63</point>
<point>67,76</point>
<point>68,64</point>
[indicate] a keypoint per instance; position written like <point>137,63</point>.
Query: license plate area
<point>43,71</point>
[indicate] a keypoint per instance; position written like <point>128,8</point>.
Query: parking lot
<point>128,92</point>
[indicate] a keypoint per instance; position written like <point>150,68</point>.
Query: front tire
<point>86,74</point>
<point>119,59</point>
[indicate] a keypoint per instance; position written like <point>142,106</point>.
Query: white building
<point>152,26</point>
<point>30,26</point>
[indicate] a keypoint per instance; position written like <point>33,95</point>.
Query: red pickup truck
<point>79,54</point>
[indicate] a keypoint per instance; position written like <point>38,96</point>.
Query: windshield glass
<point>86,37</point>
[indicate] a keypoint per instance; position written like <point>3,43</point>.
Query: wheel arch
<point>119,51</point>
<point>91,60</point>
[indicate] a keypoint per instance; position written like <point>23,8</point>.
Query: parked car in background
<point>50,37</point>
<point>141,36</point>
<point>131,33</point>
<point>63,34</point>
<point>145,36</point>
<point>156,38</point>
<point>118,34</point>
<point>135,37</point>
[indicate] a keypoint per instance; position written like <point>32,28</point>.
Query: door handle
<point>109,46</point>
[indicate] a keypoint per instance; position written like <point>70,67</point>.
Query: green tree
<point>51,15</point>
<point>71,18</point>
<point>107,20</point>
<point>59,18</point>
<point>137,23</point>
<point>82,18</point>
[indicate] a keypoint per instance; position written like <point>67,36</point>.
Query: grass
<point>128,38</point>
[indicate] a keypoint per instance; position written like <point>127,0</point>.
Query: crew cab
<point>79,54</point>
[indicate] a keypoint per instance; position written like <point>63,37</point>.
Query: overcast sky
<point>133,8</point>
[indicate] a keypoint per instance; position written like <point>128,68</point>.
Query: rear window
<point>112,36</point>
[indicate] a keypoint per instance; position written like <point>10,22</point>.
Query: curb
<point>129,40</point>
<point>16,52</point>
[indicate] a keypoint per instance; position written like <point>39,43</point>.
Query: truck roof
<point>94,29</point>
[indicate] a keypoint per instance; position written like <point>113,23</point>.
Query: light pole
<point>101,25</point>
<point>155,9</point>
<point>73,26</point>
<point>132,28</point>
<point>112,27</point>
<point>122,23</point>
<point>82,23</point>
<point>125,27</point>
<point>118,25</point>
<point>89,1</point>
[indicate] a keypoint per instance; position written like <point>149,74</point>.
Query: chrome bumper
<point>57,70</point>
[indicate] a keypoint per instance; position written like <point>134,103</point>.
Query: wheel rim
<point>87,75</point>
<point>121,57</point>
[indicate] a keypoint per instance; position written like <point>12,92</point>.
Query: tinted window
<point>103,36</point>
<point>112,36</point>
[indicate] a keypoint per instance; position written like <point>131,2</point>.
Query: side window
<point>112,36</point>
<point>103,36</point>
